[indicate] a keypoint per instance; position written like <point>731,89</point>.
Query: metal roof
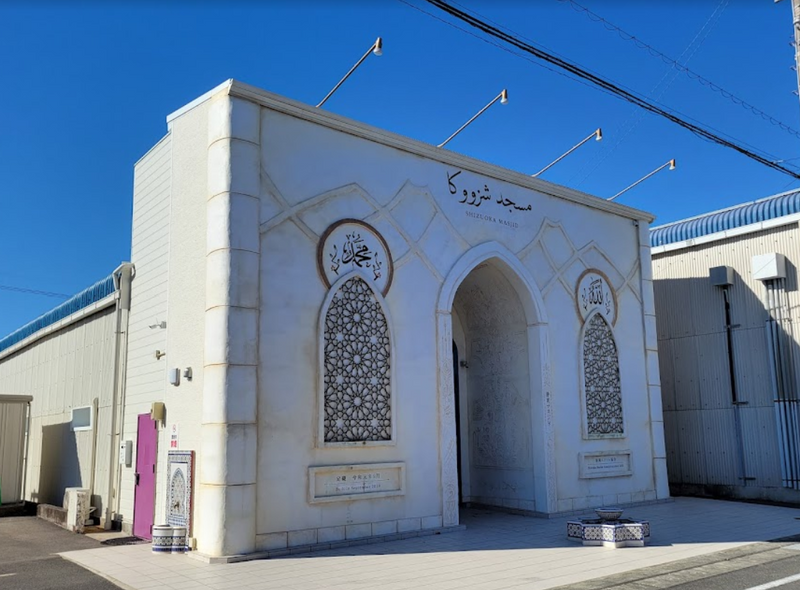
<point>725,219</point>
<point>85,298</point>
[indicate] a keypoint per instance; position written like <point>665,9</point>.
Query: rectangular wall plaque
<point>333,483</point>
<point>605,464</point>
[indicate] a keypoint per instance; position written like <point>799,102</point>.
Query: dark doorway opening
<point>456,365</point>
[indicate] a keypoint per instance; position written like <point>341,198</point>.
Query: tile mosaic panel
<point>180,472</point>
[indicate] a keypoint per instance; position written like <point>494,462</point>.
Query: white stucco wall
<point>275,176</point>
<point>312,176</point>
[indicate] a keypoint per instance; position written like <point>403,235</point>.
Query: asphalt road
<point>28,559</point>
<point>759,566</point>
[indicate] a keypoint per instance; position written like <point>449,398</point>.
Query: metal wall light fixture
<point>376,48</point>
<point>597,134</point>
<point>671,165</point>
<point>502,97</point>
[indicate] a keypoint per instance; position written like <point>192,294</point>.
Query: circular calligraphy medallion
<point>352,245</point>
<point>594,292</point>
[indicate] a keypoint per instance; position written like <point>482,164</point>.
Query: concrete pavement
<point>496,551</point>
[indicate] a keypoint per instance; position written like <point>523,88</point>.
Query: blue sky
<point>87,87</point>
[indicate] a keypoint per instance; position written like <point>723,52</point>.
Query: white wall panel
<point>145,375</point>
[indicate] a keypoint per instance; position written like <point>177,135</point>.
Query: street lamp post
<point>376,48</point>
<point>597,134</point>
<point>671,165</point>
<point>502,97</point>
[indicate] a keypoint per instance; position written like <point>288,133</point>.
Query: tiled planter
<point>178,539</point>
<point>617,533</point>
<point>162,538</point>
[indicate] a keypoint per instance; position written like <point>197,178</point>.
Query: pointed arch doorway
<point>496,442</point>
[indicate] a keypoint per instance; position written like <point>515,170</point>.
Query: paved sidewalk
<point>495,551</point>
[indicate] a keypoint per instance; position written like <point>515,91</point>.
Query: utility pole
<point>796,26</point>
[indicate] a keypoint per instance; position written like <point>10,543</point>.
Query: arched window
<point>356,365</point>
<point>603,396</point>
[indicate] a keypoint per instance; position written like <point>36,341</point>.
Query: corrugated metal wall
<point>13,416</point>
<point>146,375</point>
<point>66,369</point>
<point>699,416</point>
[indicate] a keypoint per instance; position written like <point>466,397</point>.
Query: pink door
<point>144,492</point>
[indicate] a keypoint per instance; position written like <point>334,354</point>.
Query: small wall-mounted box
<point>82,418</point>
<point>157,411</point>
<point>126,453</point>
<point>721,276</point>
<point>767,267</point>
<point>174,376</point>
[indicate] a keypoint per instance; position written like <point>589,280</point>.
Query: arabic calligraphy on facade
<point>472,197</point>
<point>353,245</point>
<point>355,252</point>
<point>594,292</point>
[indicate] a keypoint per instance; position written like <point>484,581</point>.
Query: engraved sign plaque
<point>605,464</point>
<point>354,482</point>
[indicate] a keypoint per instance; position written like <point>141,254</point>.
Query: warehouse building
<point>726,301</point>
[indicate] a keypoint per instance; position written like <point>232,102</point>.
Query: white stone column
<point>226,513</point>
<point>447,420</point>
<point>653,373</point>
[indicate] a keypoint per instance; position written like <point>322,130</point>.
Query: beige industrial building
<point>727,301</point>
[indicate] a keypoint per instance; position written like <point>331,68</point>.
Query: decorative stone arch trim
<point>520,279</point>
<point>539,368</point>
<point>602,413</point>
<point>356,404</point>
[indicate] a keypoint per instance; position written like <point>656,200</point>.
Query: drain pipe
<point>737,403</point>
<point>789,398</point>
<point>778,378</point>
<point>25,450</point>
<point>722,277</point>
<point>122,279</point>
<point>772,359</point>
<point>92,477</point>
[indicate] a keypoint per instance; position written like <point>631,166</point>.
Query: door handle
<point>137,479</point>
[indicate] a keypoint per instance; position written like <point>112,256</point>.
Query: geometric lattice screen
<point>357,357</point>
<point>602,384</point>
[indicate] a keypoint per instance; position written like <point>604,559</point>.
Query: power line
<point>593,16</point>
<point>522,55</point>
<point>503,47</point>
<point>602,83</point>
<point>635,117</point>
<point>34,291</point>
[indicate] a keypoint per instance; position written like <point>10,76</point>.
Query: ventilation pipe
<point>771,270</point>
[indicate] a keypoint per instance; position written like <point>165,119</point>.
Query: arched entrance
<point>493,393</point>
<point>496,437</point>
